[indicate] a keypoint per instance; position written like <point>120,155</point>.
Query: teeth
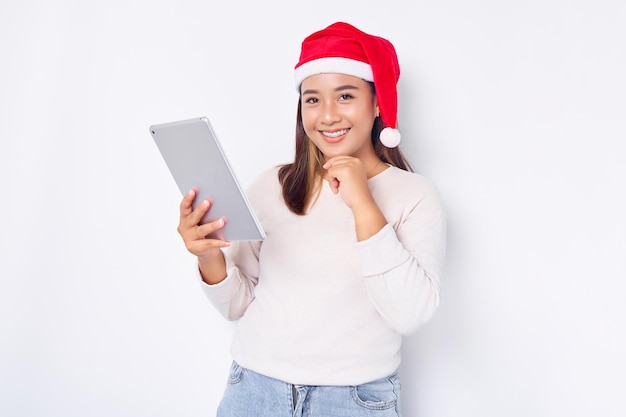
<point>335,134</point>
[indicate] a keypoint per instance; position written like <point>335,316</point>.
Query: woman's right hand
<point>208,251</point>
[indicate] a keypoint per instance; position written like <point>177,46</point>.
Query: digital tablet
<point>194,157</point>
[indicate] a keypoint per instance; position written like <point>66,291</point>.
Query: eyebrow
<point>340,88</point>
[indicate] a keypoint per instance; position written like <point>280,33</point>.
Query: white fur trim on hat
<point>333,65</point>
<point>390,137</point>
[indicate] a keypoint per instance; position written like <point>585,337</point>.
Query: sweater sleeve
<point>403,262</point>
<point>232,296</point>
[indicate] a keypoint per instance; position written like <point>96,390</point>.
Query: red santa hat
<point>342,48</point>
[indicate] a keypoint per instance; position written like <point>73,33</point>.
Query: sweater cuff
<point>381,252</point>
<point>223,291</point>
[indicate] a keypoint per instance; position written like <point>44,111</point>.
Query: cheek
<point>358,114</point>
<point>308,120</point>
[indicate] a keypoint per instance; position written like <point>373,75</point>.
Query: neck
<point>376,168</point>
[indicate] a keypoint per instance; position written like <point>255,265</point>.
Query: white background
<point>516,110</point>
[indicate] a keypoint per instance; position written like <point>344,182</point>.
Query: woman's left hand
<point>348,175</point>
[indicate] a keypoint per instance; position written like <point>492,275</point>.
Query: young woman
<point>354,248</point>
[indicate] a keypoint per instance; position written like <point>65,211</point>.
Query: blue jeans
<point>249,394</point>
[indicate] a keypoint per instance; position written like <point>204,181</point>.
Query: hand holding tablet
<point>195,159</point>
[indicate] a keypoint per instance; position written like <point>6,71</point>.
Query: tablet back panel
<point>195,158</point>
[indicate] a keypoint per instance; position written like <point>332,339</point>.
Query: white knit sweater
<point>316,307</point>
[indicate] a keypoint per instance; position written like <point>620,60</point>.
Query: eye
<point>311,100</point>
<point>344,97</point>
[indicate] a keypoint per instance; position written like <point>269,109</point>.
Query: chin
<point>329,153</point>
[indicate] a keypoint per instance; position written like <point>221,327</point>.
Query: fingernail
<point>205,202</point>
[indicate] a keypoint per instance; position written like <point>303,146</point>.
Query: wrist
<point>368,221</point>
<point>212,268</point>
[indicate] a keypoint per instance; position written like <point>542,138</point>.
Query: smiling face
<point>338,113</point>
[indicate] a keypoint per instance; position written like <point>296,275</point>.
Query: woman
<point>354,248</point>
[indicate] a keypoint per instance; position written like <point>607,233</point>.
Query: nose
<point>330,113</point>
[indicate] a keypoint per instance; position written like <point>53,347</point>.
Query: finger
<point>191,221</point>
<point>198,213</point>
<point>211,227</point>
<point>185,204</point>
<point>333,161</point>
<point>199,247</point>
<point>192,235</point>
<point>334,185</point>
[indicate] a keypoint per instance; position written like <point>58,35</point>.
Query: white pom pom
<point>390,137</point>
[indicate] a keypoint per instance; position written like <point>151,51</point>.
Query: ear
<point>375,101</point>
